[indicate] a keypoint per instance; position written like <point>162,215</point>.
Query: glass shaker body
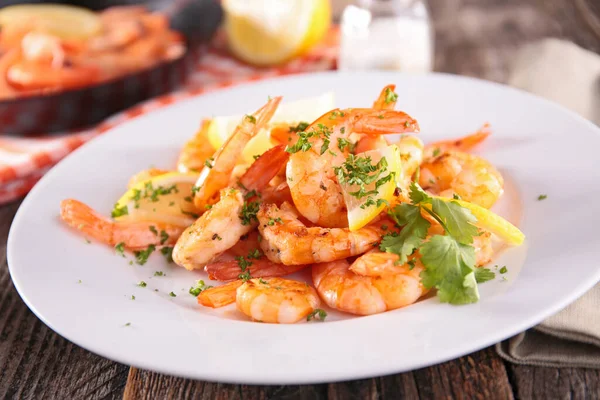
<point>386,34</point>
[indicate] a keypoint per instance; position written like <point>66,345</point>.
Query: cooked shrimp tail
<point>465,143</point>
<point>134,235</point>
<point>265,168</point>
<point>387,98</point>
<point>219,296</point>
<point>196,151</point>
<point>215,178</point>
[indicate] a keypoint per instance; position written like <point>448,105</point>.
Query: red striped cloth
<point>23,161</point>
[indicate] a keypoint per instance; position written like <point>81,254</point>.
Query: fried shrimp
<point>342,289</point>
<point>471,177</point>
<point>310,170</point>
<point>134,235</point>
<point>276,300</point>
<point>214,178</point>
<point>287,240</point>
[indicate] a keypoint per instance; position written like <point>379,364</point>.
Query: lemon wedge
<point>164,198</point>
<point>359,213</point>
<point>492,222</point>
<point>67,22</point>
<point>308,110</point>
<point>267,32</point>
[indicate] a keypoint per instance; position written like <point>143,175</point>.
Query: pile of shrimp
<point>34,61</point>
<point>285,213</point>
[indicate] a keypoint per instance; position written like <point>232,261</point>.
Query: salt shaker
<point>386,34</point>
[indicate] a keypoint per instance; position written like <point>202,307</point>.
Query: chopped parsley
<point>248,212</point>
<point>251,194</point>
<point>159,273</point>
<point>262,281</point>
<point>164,236</point>
<point>141,257</point>
<point>361,171</point>
<point>303,144</point>
<point>503,270</point>
<point>250,118</point>
<point>187,198</point>
<point>449,259</point>
<point>195,189</point>
<point>390,96</point>
<point>132,297</point>
<point>542,197</point>
<point>172,294</point>
<point>343,143</point>
<point>120,249</point>
<point>436,151</point>
<point>301,127</point>
<point>152,193</point>
<point>484,275</point>
<point>191,214</point>
<point>207,164</point>
<point>142,284</point>
<point>272,221</point>
<point>127,324</point>
<point>168,253</point>
<point>256,157</point>
<point>318,315</point>
<point>198,288</point>
<point>119,211</point>
<point>216,237</point>
<point>245,276</point>
<point>255,254</point>
<point>153,230</point>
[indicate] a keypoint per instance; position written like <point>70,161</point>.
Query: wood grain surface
<point>473,37</point>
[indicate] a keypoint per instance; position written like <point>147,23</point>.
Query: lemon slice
<point>308,110</point>
<point>492,222</point>
<point>359,217</point>
<point>67,22</point>
<point>267,32</point>
<point>164,198</point>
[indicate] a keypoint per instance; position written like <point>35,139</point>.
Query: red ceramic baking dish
<point>196,20</point>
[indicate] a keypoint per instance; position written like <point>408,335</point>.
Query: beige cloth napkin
<point>569,75</point>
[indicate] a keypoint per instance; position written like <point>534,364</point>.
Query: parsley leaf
<point>120,249</point>
<point>168,253</point>
<point>390,96</point>
<point>449,267</point>
<point>458,221</point>
<point>141,257</point>
<point>318,315</point>
<point>248,212</point>
<point>484,275</point>
<point>198,288</point>
<point>414,230</point>
<point>119,211</point>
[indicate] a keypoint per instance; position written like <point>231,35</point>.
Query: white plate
<point>539,147</point>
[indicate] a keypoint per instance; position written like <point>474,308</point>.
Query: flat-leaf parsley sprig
<point>449,259</point>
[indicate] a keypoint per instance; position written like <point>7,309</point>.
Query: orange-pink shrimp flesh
<point>286,240</point>
<point>342,289</point>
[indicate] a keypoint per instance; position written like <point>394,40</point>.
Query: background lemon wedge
<point>164,198</point>
<point>308,110</point>
<point>359,217</point>
<point>267,32</point>
<point>67,22</point>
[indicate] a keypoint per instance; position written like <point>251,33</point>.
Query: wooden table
<point>473,37</point>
